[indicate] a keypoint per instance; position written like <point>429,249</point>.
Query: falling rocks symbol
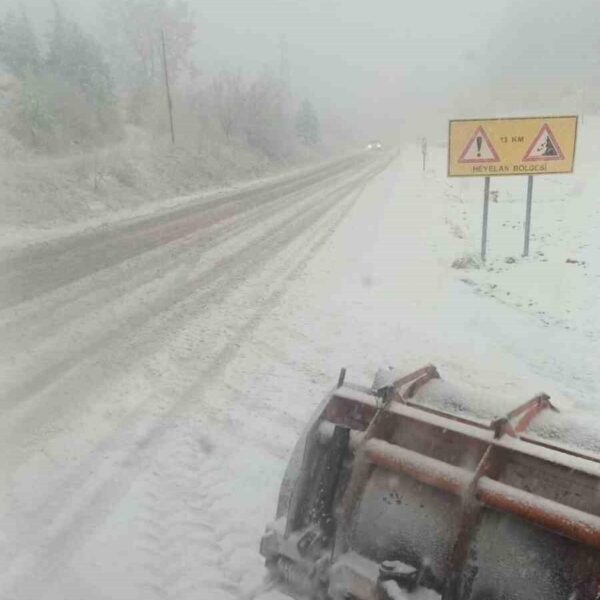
<point>544,147</point>
<point>548,148</point>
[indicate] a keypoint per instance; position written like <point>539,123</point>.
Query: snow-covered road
<point>156,373</point>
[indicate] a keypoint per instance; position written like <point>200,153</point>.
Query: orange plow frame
<point>386,429</point>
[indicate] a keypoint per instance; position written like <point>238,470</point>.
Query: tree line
<point>66,89</point>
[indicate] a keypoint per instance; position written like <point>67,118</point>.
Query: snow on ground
<point>16,237</point>
<point>144,461</point>
<point>559,283</point>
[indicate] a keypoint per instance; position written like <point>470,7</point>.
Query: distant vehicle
<point>375,145</point>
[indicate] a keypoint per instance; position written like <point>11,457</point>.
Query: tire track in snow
<point>153,309</point>
<point>65,531</point>
<point>36,335</point>
<point>182,286</point>
<point>180,530</point>
<point>37,272</point>
<point>219,535</point>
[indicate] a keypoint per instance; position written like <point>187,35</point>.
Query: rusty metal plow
<point>388,492</point>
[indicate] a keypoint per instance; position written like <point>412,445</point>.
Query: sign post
<point>424,151</point>
<point>486,206</point>
<point>514,146</point>
<point>528,215</point>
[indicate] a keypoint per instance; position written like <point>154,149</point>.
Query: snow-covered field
<point>151,399</point>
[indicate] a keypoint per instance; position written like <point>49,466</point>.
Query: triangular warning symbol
<point>544,146</point>
<point>479,149</point>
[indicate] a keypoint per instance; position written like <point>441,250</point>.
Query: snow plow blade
<point>405,490</point>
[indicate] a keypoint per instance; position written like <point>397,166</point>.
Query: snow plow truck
<point>408,489</point>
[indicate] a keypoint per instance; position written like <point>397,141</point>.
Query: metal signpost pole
<point>486,206</point>
<point>167,86</point>
<point>528,215</point>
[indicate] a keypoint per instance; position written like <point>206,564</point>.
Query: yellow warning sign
<point>514,146</point>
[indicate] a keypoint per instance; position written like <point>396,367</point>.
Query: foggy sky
<point>375,61</point>
<point>388,64</point>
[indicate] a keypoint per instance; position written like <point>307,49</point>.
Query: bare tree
<point>265,122</point>
<point>307,124</point>
<point>134,38</point>
<point>228,96</point>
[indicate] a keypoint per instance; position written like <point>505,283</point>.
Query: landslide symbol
<point>544,147</point>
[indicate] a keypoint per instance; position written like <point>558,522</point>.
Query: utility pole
<point>167,87</point>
